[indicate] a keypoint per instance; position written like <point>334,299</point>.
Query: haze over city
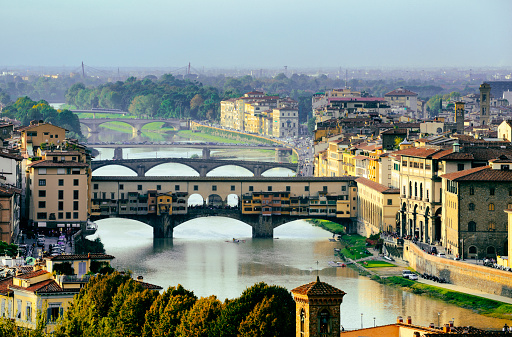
<point>229,34</point>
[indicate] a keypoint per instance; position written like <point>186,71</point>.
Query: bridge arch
<point>125,168</point>
<point>178,169</point>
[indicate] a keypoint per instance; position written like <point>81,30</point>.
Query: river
<point>203,258</point>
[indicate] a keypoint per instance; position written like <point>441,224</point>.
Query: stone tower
<point>485,103</point>
<point>459,117</point>
<point>317,309</point>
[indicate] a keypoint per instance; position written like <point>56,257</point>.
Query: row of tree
<point>26,110</point>
<point>116,305</point>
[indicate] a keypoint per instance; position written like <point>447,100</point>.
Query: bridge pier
<point>206,153</point>
<point>118,153</point>
<point>257,171</point>
<point>141,171</point>
<point>163,225</point>
<point>203,170</point>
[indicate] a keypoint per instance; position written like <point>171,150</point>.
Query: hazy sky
<point>264,33</point>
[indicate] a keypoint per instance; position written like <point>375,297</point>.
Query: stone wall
<point>478,277</point>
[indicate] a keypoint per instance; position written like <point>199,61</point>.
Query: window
<point>390,201</point>
<point>491,191</point>
<point>288,188</point>
<point>306,188</point>
<point>460,167</point>
<point>214,187</point>
<point>232,187</point>
<point>471,226</point>
<point>471,206</point>
<point>68,215</point>
<point>42,204</point>
<point>251,188</point>
<point>41,171</point>
<point>42,182</point>
<point>61,205</point>
<point>61,194</point>
<point>95,186</point>
<point>75,205</point>
<point>139,187</point>
<point>492,226</point>
<point>75,215</point>
<point>75,171</point>
<point>76,193</point>
<point>196,187</point>
<point>60,215</point>
<point>158,187</point>
<point>41,215</point>
<point>269,188</point>
<point>176,187</point>
<point>325,189</point>
<point>42,193</point>
<point>112,195</point>
<point>471,190</point>
<point>491,207</point>
<point>121,186</point>
<point>61,182</point>
<point>75,182</point>
<point>53,312</point>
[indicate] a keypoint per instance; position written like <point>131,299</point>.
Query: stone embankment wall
<point>478,277</point>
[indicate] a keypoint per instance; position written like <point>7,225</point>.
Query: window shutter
<point>48,315</point>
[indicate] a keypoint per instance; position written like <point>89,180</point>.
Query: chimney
<point>431,325</point>
<point>409,320</point>
<point>446,328</point>
<point>451,324</point>
<point>399,319</point>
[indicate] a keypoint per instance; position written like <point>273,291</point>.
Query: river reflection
<point>203,258</point>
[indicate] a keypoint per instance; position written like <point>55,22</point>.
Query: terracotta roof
<point>359,157</point>
<point>477,153</point>
<point>44,287</point>
<point>29,127</point>
<point>50,163</point>
<point>394,132</point>
<point>32,274</point>
<point>318,288</point>
<point>401,92</point>
<point>5,284</point>
<point>96,256</point>
<point>420,152</point>
<point>356,99</point>
<point>377,187</point>
<point>484,173</point>
<point>150,286</point>
<point>11,155</point>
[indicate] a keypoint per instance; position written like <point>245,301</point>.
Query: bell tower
<point>485,103</point>
<point>317,309</point>
<point>459,117</point>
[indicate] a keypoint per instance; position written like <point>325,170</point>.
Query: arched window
<point>491,207</point>
<point>472,226</point>
<point>415,189</point>
<point>492,226</point>
<point>471,206</point>
<point>410,189</point>
<point>325,322</point>
<point>472,250</point>
<point>421,191</point>
<point>302,321</point>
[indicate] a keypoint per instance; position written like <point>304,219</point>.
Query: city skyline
<point>263,34</point>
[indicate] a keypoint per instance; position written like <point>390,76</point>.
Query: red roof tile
<point>484,173</point>
<point>420,152</point>
<point>5,284</point>
<point>49,163</point>
<point>401,92</point>
<point>32,274</point>
<point>318,288</point>
<point>377,187</point>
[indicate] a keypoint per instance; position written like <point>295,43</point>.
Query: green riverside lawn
<point>353,245</point>
<point>480,305</point>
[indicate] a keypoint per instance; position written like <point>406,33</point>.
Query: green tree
<point>200,319</point>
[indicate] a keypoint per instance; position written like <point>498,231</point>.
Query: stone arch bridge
<point>93,124</point>
<point>264,203</point>
<point>201,166</point>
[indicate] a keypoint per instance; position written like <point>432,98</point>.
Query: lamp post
<point>438,315</point>
<point>361,320</point>
<point>374,322</point>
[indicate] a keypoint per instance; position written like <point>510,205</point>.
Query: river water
<point>202,257</point>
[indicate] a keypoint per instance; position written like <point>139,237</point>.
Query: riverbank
<point>481,305</point>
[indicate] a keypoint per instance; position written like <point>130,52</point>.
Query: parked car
<point>441,255</point>
<point>407,273</point>
<point>413,277</point>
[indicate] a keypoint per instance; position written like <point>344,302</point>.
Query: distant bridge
<point>93,124</point>
<point>201,166</point>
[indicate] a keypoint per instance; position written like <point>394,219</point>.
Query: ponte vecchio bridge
<point>263,202</point>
